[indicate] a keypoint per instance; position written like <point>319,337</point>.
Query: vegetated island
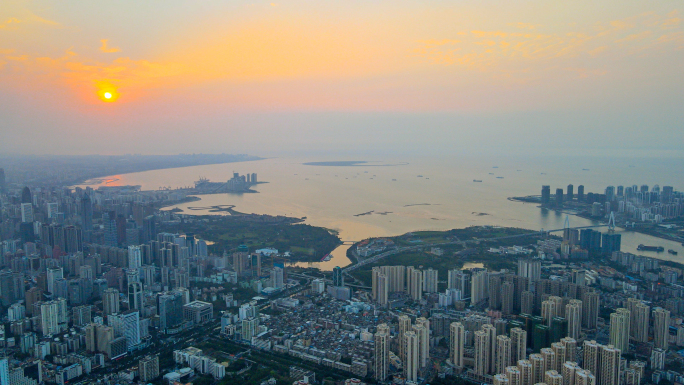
<point>304,242</point>
<point>445,250</point>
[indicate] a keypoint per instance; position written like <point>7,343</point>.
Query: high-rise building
<point>526,375</point>
<point>518,344</point>
<point>457,344</point>
<point>404,326</point>
<point>422,330</point>
<point>52,275</point>
<point>513,375</point>
<point>590,310</point>
<point>82,315</point>
<point>501,379</point>
<point>658,359</point>
<point>415,284</point>
<point>337,277</point>
<point>135,296</point>
<point>430,281</point>
<point>27,213</point>
<point>459,280</point>
<point>580,193</point>
<point>86,213</point>
<point>491,330</point>
<point>568,370</point>
<point>3,182</point>
<point>631,377</point>
<point>639,319</point>
<point>412,363</point>
<point>482,352</point>
<point>609,372</point>
<point>318,286</point>
<point>381,357</point>
<point>552,377</point>
<point>507,297</point>
<point>479,286</point>
<point>126,324</point>
<point>546,195</point>
<point>53,316</point>
<point>559,197</point>
<point>110,301</point>
<point>538,368</point>
<point>134,257</point>
<point>526,302</point>
<point>592,351</point>
<point>529,268</point>
<point>584,377</point>
<point>380,287</point>
<point>550,360</point>
<point>573,313</point>
<point>110,233</point>
<point>277,278</point>
<point>610,243</point>
<point>548,311</point>
<point>503,353</point>
<point>619,329</point>
<point>570,345</point>
<point>559,354</point>
<point>570,192</point>
<point>170,310</point>
<point>661,327</point>
<point>148,368</point>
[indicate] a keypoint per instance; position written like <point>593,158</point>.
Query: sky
<point>342,77</point>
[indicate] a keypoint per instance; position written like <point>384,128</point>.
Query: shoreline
<point>529,199</point>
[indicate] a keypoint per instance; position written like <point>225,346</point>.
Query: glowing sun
<point>108,94</point>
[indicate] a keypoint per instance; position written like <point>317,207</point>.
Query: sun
<point>108,94</point>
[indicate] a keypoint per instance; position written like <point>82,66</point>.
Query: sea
<point>377,196</point>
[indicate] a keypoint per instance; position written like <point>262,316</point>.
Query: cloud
<point>9,23</point>
<point>85,75</point>
<point>106,49</point>
<point>524,25</point>
<point>432,42</point>
<point>597,50</point>
<point>635,36</point>
<point>510,49</point>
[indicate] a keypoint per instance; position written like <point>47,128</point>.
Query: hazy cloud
<point>508,50</point>
<point>105,48</point>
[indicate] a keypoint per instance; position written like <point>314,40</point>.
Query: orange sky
<point>57,58</point>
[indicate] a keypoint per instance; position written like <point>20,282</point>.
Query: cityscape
<point>339,192</point>
<point>95,286</point>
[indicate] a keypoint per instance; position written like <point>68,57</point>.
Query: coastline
<point>644,231</point>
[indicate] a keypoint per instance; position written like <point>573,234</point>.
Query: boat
<point>672,252</point>
<point>495,167</point>
<point>491,173</point>
<point>643,247</point>
<point>477,180</point>
<point>585,169</point>
<point>394,180</point>
<point>326,258</point>
<point>499,177</point>
<point>420,176</point>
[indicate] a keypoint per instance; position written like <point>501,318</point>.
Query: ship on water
<point>643,247</point>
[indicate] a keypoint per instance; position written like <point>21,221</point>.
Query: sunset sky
<point>287,77</point>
